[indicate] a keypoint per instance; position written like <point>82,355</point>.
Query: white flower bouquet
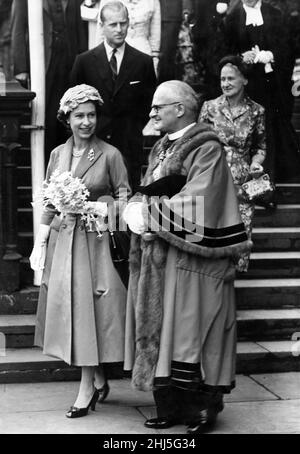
<point>68,194</point>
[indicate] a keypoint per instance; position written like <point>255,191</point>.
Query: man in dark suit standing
<point>126,80</point>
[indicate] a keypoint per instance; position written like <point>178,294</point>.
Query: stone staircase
<point>268,305</point>
<point>268,296</point>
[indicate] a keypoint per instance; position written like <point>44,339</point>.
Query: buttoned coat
<point>81,307</point>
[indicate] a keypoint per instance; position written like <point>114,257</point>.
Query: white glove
<point>264,57</point>
<point>38,254</point>
<point>133,216</point>
<point>249,56</point>
<point>89,3</point>
<point>98,208</point>
<point>221,7</point>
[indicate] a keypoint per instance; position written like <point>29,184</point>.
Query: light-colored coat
<point>81,307</point>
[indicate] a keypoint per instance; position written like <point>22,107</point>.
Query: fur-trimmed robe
<point>197,156</point>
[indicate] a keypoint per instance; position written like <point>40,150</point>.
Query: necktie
<point>113,65</point>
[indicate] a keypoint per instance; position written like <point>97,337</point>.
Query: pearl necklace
<point>78,153</point>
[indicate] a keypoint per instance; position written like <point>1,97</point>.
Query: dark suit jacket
<point>171,19</point>
<point>126,104</point>
<point>75,30</point>
<point>275,36</point>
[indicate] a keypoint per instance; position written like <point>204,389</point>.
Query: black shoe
<point>75,412</point>
<point>205,422</point>
<point>206,419</point>
<point>103,392</point>
<point>161,423</point>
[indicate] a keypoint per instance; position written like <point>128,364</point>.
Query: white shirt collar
<point>253,14</point>
<point>119,53</point>
<point>178,134</point>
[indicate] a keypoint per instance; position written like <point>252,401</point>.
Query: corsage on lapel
<point>91,155</point>
<point>88,159</point>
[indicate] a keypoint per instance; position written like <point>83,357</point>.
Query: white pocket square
<point>134,82</point>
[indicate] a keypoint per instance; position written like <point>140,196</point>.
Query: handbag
<point>260,188</point>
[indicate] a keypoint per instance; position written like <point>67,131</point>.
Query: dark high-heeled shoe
<point>103,392</point>
<point>75,412</point>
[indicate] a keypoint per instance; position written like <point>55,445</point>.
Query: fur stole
<point>179,150</point>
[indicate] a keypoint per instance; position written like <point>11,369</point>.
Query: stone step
<point>250,294</point>
<point>24,219</point>
<point>297,103</point>
<point>25,243</point>
<point>267,293</point>
<point>23,158</point>
<point>18,330</point>
<point>25,365</point>
<point>26,273</point>
<point>267,324</point>
<point>270,356</point>
<point>283,216</point>
<point>24,196</point>
<point>296,120</point>
<point>24,175</point>
<point>277,239</point>
<point>263,264</point>
<point>285,238</point>
<point>274,265</point>
<point>288,193</point>
<point>254,325</point>
<point>21,302</point>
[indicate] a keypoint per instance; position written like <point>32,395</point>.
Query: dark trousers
<point>182,404</point>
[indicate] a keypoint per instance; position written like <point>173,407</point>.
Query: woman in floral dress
<point>240,125</point>
<point>187,68</point>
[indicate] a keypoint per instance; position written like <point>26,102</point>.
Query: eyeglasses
<point>160,106</point>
